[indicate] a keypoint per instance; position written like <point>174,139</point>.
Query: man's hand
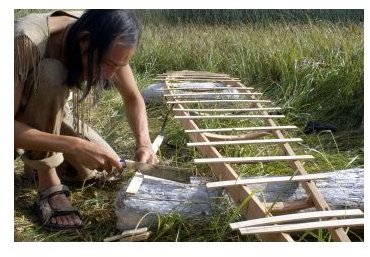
<point>95,156</point>
<point>145,154</point>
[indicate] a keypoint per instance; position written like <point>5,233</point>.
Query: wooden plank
<point>265,180</point>
<point>196,79</point>
<point>270,128</point>
<point>207,94</point>
<point>157,143</point>
<point>205,88</point>
<point>245,142</point>
<point>252,159</point>
<point>193,117</point>
<point>303,226</point>
<point>253,208</point>
<point>337,234</point>
<point>231,109</point>
<point>135,183</point>
<point>218,101</point>
<point>297,217</point>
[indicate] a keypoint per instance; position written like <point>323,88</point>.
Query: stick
<point>244,142</point>
<point>239,129</point>
<point>228,116</point>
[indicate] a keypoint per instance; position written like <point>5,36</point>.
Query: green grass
<point>312,67</point>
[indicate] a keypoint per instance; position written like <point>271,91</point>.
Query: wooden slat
<point>207,94</point>
<point>248,136</point>
<point>244,142</point>
<point>252,159</point>
<point>297,217</point>
<point>270,128</point>
<point>231,109</point>
<point>193,117</point>
<point>218,101</point>
<point>265,180</point>
<point>135,184</point>
<point>196,79</point>
<point>205,88</point>
<point>303,226</point>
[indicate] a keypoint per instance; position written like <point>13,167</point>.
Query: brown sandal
<point>46,211</point>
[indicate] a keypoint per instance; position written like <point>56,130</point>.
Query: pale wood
<point>157,143</point>
<point>254,208</point>
<point>236,137</point>
<point>297,217</point>
<point>252,159</point>
<point>207,94</point>
<point>230,109</point>
<point>239,129</point>
<point>218,101</point>
<point>126,233</point>
<point>205,88</point>
<point>303,226</point>
<point>228,116</point>
<point>265,180</point>
<point>136,238</point>
<point>337,234</point>
<point>279,208</point>
<point>135,183</point>
<point>195,79</point>
<point>245,142</point>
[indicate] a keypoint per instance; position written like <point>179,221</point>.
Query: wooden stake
<point>245,142</point>
<point>252,159</point>
<point>303,226</point>
<point>297,217</point>
<point>250,181</point>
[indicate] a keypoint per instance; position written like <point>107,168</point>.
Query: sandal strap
<point>65,211</point>
<point>59,189</point>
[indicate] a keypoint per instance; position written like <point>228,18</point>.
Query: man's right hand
<point>95,156</point>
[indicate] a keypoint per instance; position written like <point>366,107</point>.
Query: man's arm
<point>136,114</point>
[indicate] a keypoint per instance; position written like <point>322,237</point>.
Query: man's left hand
<point>145,154</point>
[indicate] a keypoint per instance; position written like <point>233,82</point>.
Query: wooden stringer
<point>236,101</point>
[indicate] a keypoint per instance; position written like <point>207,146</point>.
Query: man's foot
<point>61,201</point>
<point>55,209</point>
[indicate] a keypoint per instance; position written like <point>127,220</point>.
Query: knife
<point>155,170</point>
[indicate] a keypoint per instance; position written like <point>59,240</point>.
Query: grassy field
<point>311,64</point>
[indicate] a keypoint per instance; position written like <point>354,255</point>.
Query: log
<point>342,190</point>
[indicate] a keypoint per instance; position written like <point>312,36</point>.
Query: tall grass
<point>313,69</point>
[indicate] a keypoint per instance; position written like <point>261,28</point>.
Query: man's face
<point>116,57</point>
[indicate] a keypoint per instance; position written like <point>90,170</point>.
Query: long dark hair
<point>104,27</point>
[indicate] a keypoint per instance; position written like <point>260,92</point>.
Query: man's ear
<point>83,40</point>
